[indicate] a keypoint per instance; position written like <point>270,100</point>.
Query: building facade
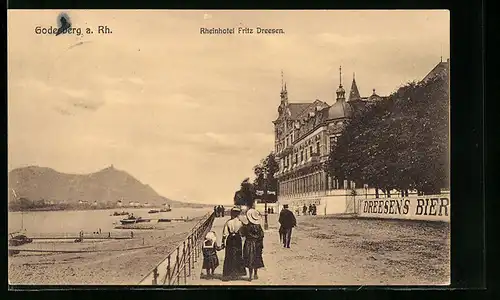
<point>305,133</point>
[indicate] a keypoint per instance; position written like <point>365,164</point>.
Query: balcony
<point>287,150</point>
<point>315,158</point>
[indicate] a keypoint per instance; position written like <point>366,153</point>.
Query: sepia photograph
<point>228,147</point>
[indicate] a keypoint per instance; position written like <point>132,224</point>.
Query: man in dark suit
<point>287,221</point>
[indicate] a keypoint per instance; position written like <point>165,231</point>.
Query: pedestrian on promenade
<point>254,243</point>
<point>222,210</point>
<point>304,210</point>
<point>231,240</point>
<point>209,249</point>
<point>216,211</point>
<point>287,221</point>
<point>314,209</point>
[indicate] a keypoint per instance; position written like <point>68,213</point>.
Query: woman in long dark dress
<point>254,243</point>
<point>231,239</point>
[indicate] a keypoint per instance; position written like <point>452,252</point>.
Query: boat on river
<point>132,220</point>
<point>123,213</point>
<point>166,208</point>
<point>153,211</point>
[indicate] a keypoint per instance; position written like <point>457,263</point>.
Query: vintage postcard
<point>190,147</point>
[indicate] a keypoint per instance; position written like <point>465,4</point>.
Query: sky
<point>191,114</point>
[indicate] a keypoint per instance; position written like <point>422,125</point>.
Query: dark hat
<point>285,205</point>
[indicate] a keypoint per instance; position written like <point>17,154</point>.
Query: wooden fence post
<point>184,260</point>
<point>155,276</point>
<point>168,276</point>
<point>189,256</point>
<point>178,265</point>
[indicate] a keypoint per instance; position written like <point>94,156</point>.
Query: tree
<point>400,142</point>
<point>268,166</point>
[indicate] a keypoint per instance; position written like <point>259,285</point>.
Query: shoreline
<point>92,209</point>
<point>97,262</point>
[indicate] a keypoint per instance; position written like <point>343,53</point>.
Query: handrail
<point>189,255</point>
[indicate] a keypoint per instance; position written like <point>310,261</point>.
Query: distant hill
<point>106,186</point>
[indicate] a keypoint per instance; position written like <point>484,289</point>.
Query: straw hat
<point>236,209</point>
<point>253,216</point>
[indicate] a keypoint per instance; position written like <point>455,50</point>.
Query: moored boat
<point>166,208</point>
<point>18,240</point>
<point>153,211</point>
<point>133,220</point>
<point>126,221</point>
<point>130,220</point>
<point>123,213</point>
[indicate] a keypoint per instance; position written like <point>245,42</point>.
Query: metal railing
<point>179,263</point>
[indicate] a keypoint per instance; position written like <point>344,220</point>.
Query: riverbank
<point>342,250</point>
<point>117,208</point>
<point>117,262</point>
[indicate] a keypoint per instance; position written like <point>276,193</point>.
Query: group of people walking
<point>243,241</point>
<point>219,211</point>
<point>311,210</point>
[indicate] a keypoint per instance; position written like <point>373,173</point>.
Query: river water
<point>42,222</point>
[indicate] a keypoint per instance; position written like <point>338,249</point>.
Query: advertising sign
<point>428,207</point>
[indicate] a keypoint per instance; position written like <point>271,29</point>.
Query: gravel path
<point>341,250</point>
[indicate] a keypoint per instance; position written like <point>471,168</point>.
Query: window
<point>296,158</point>
<point>333,141</point>
<point>317,147</point>
<point>310,150</point>
<point>301,156</point>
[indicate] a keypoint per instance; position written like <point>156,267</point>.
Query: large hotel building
<point>304,135</point>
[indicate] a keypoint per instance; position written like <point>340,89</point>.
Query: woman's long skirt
<point>252,254</point>
<point>233,261</point>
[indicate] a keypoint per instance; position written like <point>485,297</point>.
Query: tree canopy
<point>401,142</point>
<point>264,176</point>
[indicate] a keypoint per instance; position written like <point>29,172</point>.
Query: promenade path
<point>298,265</point>
<point>341,250</point>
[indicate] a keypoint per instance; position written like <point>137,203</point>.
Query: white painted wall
<point>343,201</point>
